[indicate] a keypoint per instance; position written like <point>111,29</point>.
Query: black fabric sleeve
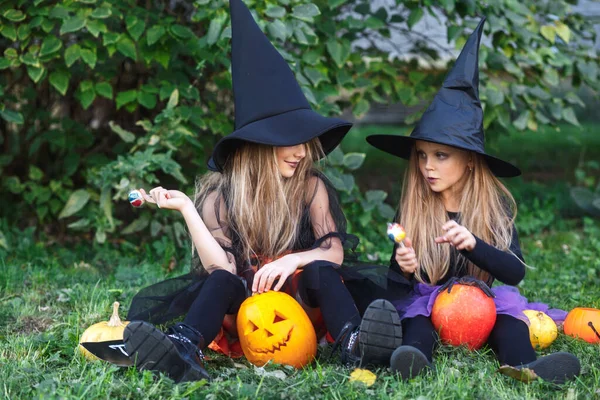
<point>502,265</point>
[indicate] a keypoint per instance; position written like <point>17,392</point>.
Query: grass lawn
<point>49,296</point>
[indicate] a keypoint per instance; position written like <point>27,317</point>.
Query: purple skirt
<point>508,301</point>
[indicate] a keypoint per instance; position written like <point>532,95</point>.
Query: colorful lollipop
<point>396,233</point>
<point>136,199</point>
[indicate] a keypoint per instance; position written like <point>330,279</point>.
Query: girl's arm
<point>506,267</point>
<point>205,241</point>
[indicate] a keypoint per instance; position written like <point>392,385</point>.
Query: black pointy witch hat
<point>455,116</point>
<point>270,107</point>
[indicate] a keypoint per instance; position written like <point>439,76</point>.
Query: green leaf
<point>60,80</point>
<point>35,174</point>
<point>72,54</point>
<point>104,89</point>
<point>72,25</point>
<point>125,135</point>
<point>30,59</point>
<point>306,12</point>
<point>182,32</point>
<point>23,31</point>
<point>548,32</point>
<point>4,63</point>
<point>35,73</point>
<point>96,27</point>
<point>173,99</point>
<point>79,224</point>
<point>75,203</point>
<point>335,3</point>
<point>148,100</point>
<point>315,76</point>
<point>11,53</point>
<point>214,30</point>
<point>137,225</point>
<point>89,57</point>
<point>86,98</point>
<point>453,32</point>
<point>521,122</point>
<point>135,26</point>
<point>361,108</point>
<point>336,157</point>
<point>3,241</point>
<point>375,196</point>
<point>338,51</point>
<point>110,38</point>
<point>154,34</point>
<point>12,116</point>
<point>563,31</point>
<point>414,17</point>
<point>275,11</point>
<point>126,47</point>
<point>106,204</point>
<point>126,97</point>
<point>50,45</point>
<point>277,30</point>
<point>551,76</point>
<point>353,161</point>
<point>569,115</point>
<point>101,12</point>
<point>9,32</point>
<point>14,15</point>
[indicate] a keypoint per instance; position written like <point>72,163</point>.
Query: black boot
<point>175,353</point>
<point>408,362</point>
<point>556,367</point>
<point>373,342</point>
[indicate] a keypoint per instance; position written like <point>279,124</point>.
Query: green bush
<point>101,96</point>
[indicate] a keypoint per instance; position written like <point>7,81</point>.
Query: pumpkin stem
<point>114,318</point>
<point>591,325</point>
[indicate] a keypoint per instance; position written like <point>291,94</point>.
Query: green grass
<point>49,296</point>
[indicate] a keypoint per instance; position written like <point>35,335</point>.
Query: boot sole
<point>380,333</point>
<point>408,362</point>
<point>150,349</point>
<point>557,367</point>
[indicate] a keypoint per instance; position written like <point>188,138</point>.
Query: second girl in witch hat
<point>459,220</point>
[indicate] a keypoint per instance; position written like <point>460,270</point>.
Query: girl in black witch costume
<point>459,220</point>
<point>262,215</point>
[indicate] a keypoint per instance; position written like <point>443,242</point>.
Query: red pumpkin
<point>583,323</point>
<point>465,316</point>
<point>274,327</point>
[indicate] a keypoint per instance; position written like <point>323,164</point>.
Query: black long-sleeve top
<point>499,264</point>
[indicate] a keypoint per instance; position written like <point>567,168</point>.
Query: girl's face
<point>444,168</point>
<point>288,158</point>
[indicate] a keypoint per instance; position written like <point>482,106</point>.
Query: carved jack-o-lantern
<point>273,327</point>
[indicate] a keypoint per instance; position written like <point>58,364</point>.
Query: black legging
<point>509,338</point>
<point>320,286</point>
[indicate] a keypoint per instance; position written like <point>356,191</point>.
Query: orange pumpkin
<point>465,316</point>
<point>583,323</point>
<point>273,327</point>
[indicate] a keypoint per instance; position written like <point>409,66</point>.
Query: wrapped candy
<point>396,233</point>
<point>136,199</point>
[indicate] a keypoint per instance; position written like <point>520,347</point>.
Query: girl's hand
<point>279,269</point>
<point>457,235</point>
<point>406,257</point>
<point>170,199</point>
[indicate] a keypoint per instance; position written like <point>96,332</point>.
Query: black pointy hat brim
<point>270,107</point>
<point>287,129</point>
<point>401,146</point>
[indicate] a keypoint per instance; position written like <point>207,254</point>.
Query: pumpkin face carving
<point>583,323</point>
<point>273,327</point>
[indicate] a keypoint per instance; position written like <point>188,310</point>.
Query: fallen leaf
<point>363,375</point>
<point>524,374</point>
<point>260,371</point>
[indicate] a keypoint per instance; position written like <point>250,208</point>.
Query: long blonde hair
<point>487,209</point>
<point>263,208</point>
